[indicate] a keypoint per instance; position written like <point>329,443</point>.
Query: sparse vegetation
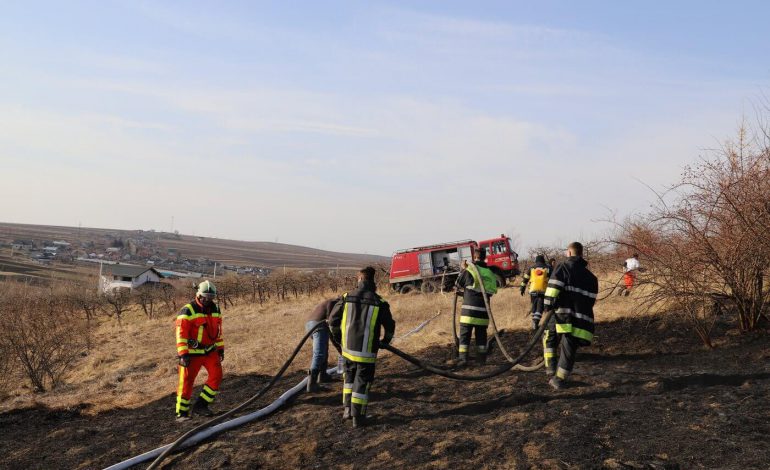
<point>705,243</point>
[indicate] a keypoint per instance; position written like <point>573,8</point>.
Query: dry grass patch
<point>134,363</point>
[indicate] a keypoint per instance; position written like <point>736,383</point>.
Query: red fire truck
<point>433,267</point>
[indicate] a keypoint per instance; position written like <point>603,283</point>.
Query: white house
<point>116,276</point>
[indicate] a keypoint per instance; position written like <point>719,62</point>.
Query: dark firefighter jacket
<point>198,331</point>
<point>356,321</point>
<point>572,292</point>
<point>474,311</point>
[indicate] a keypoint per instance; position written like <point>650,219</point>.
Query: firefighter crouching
<point>474,315</point>
<point>537,279</point>
<point>571,294</point>
<point>199,344</point>
<point>355,323</point>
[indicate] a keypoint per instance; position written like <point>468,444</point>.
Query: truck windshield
<point>499,247</point>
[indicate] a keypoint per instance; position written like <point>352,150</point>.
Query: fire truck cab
<point>432,268</point>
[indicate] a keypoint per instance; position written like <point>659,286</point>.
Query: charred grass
<point>645,395</point>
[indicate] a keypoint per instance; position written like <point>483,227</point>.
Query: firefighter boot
<point>325,378</point>
<point>201,408</point>
<point>183,416</point>
<point>462,359</point>
<point>346,413</point>
<point>312,381</point>
<point>359,421</point>
<point>482,358</point>
<point>556,383</point>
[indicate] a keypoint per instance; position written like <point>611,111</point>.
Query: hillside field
<point>646,395</point>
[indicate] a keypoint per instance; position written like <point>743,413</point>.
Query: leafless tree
<point>704,242</point>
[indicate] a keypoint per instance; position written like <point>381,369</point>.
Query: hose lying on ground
<point>174,445</point>
<point>219,428</point>
<point>487,375</point>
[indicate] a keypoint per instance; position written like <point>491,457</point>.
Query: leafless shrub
<point>41,334</point>
<point>118,301</point>
<point>705,240</point>
<point>85,299</point>
<point>148,297</point>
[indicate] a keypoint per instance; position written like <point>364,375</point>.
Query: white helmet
<point>207,290</point>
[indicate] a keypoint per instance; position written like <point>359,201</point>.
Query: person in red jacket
<point>199,344</point>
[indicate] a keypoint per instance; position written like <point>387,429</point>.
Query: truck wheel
<point>407,288</point>
<point>500,281</point>
<point>429,287</point>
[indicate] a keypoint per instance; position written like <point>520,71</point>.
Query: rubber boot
<point>556,383</point>
<point>201,408</point>
<point>462,359</point>
<point>312,381</point>
<point>359,421</point>
<point>346,413</point>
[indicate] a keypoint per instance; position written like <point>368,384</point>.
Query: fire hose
<point>495,331</point>
<point>210,427</point>
<point>174,445</point>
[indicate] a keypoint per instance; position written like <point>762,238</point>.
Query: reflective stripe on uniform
<point>562,373</point>
<point>581,291</point>
<point>583,317</point>
<point>474,320</point>
<point>556,282</point>
<point>358,356</point>
<point>552,292</point>
<point>463,348</point>
<point>582,334</point>
<point>564,328</point>
<point>360,398</point>
<point>474,308</point>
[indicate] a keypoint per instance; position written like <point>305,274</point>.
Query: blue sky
<point>365,126</point>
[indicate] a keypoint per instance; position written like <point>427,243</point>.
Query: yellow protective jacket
<point>198,331</point>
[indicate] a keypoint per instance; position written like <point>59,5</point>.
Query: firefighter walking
<point>356,322</point>
<point>199,344</point>
<point>474,316</point>
<point>537,279</point>
<point>571,294</point>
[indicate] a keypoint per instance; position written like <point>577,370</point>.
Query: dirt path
<point>646,395</point>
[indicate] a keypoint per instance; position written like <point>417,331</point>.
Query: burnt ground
<point>645,395</point>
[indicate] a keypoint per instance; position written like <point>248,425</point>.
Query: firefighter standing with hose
<point>199,344</point>
<point>474,315</point>
<point>537,279</point>
<point>571,294</point>
<point>355,323</point>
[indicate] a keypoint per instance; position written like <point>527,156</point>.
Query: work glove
<point>184,360</point>
<point>221,355</point>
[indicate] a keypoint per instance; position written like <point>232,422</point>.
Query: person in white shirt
<point>631,267</point>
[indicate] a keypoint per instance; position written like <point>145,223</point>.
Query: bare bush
<point>704,242</point>
<point>41,334</point>
<point>118,301</point>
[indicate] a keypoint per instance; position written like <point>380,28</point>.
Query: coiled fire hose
<point>487,375</point>
<point>246,403</point>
